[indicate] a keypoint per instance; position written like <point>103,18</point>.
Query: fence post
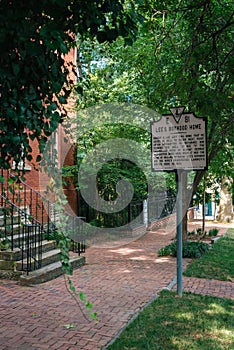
<point>129,213</point>
<point>145,214</point>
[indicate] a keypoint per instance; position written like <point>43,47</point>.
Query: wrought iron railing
<point>19,230</point>
<point>44,211</point>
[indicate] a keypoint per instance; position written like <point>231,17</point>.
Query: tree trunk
<point>225,212</point>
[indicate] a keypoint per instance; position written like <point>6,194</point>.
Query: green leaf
<point>38,159</point>
<point>16,69</point>
<point>29,157</point>
<point>62,99</point>
<point>72,287</point>
<point>94,316</point>
<point>12,180</point>
<point>88,305</point>
<point>82,296</point>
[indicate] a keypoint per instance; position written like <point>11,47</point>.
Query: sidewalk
<point>118,281</point>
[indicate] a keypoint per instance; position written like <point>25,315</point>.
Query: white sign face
<point>179,142</point>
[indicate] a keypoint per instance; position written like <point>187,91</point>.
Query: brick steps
<point>48,257</point>
<point>49,272</point>
<point>13,263</point>
<point>16,253</point>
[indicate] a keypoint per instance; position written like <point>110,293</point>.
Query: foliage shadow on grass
<point>193,322</point>
<point>217,263</point>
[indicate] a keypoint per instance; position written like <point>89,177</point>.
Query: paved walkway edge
<point>169,287</point>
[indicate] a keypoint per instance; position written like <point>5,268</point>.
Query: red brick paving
<point>118,281</point>
<point>209,287</point>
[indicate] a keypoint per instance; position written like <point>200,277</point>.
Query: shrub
<point>194,250</point>
<point>200,232</point>
<point>96,223</point>
<point>191,233</point>
<point>213,232</point>
<point>191,249</point>
<point>169,249</point>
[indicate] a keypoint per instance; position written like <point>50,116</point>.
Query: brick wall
<point>39,180</point>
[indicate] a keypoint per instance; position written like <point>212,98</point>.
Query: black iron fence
<point>133,211</point>
<point>160,207</point>
<point>156,208</point>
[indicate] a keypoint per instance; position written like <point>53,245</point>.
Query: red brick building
<point>35,178</point>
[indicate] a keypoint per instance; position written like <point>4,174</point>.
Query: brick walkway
<point>118,281</point>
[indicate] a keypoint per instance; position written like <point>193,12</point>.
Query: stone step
<point>16,228</point>
<point>47,258</point>
<point>6,214</point>
<point>16,254</point>
<point>18,237</point>
<point>49,272</point>
<point>9,220</point>
<point>12,259</point>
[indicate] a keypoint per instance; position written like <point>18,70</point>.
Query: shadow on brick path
<point>118,281</point>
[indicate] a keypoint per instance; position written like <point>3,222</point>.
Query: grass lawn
<point>192,322</point>
<point>218,263</point>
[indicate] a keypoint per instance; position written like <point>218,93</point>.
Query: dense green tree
<point>183,56</point>
<point>34,85</point>
<point>114,170</point>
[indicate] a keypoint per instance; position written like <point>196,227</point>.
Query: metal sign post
<point>179,233</point>
<point>179,143</point>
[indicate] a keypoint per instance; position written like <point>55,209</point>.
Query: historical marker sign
<point>179,142</point>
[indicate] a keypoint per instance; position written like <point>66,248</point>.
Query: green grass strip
<point>217,263</point>
<point>192,322</point>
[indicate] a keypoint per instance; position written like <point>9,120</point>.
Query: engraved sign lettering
<point>179,143</point>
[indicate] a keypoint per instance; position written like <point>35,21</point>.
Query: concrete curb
<point>169,287</point>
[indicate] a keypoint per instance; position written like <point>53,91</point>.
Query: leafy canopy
<point>183,55</point>
<point>35,36</point>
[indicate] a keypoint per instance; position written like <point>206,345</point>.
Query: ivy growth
<point>50,165</point>
<point>35,37</point>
